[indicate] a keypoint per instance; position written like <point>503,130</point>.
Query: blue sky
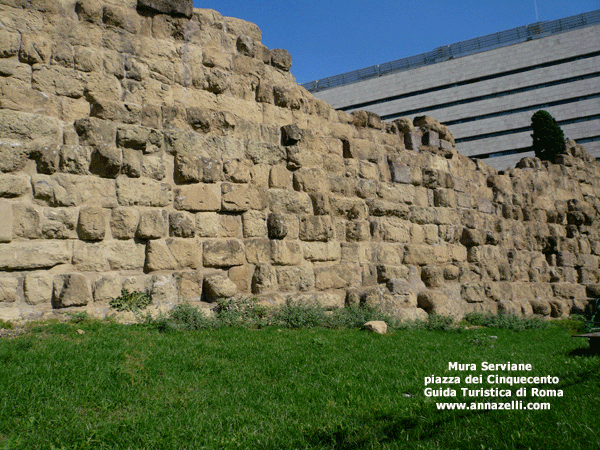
<point>328,37</point>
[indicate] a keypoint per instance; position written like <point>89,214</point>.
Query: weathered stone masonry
<point>150,146</point>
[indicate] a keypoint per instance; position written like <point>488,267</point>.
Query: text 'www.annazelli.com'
<point>495,406</point>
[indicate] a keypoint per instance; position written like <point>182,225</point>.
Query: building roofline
<point>481,44</point>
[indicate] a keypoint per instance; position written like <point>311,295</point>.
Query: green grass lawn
<point>119,387</point>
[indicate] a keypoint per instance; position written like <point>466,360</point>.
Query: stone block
<point>26,220</point>
<point>59,223</point>
<point>316,228</point>
<point>106,161</point>
<point>39,129</point>
<point>258,250</point>
<point>241,276</point>
<point>385,208</point>
<point>159,257</point>
<point>172,7</point>
<point>29,255</point>
<point>9,43</point>
<point>182,224</point>
<point>116,111</point>
<point>472,237</point>
<point>473,292</point>
<point>286,253</point>
<point>86,59</point>
<point>264,279</point>
<point>75,159</point>
<point>431,139</point>
<point>72,190</point>
<point>322,251</point>
<point>419,255</point>
<point>540,307</point>
<point>376,326</point>
<point>240,198</point>
<point>290,135</point>
<point>90,257</point>
<point>358,230</point>
<point>312,180</point>
<point>390,229</point>
<point>137,137</point>
<point>293,279</point>
<point>281,59</point>
<point>123,18</point>
<point>91,224</point>
<point>37,288</point>
<point>403,292</point>
<point>35,48</point>
<point>143,192</point>
<point>207,224</point>
<point>444,198</point>
<point>386,273</point>
<point>284,201</point>
<point>189,286</point>
<point>107,287</point>
<point>47,159</point>
<point>218,286</point>
<point>230,225</point>
<point>58,80</point>
<point>334,277</point>
<point>254,224</point>
<point>436,302</point>
<point>132,163</point>
<point>124,255</point>
<point>188,254</point>
<point>14,185</point>
<point>320,203</point>
<point>223,253</point>
<point>198,197</point>
<point>9,287</point>
<point>237,171</point>
<point>124,222</point>
<point>6,224</point>
<point>298,156</point>
<point>276,226</point>
<point>400,172</point>
<point>71,289</point>
<point>163,290</point>
<point>432,276</point>
<point>412,140</point>
<point>153,224</point>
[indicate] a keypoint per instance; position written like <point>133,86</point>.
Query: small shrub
<point>296,315</point>
<point>548,137</point>
<point>80,317</point>
<point>242,312</point>
<point>188,317</point>
<point>356,316</point>
<point>439,323</point>
<point>131,301</point>
<point>6,324</point>
<point>506,321</point>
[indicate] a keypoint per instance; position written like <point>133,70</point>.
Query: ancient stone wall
<point>154,147</point>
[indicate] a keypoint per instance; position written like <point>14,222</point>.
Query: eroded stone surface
<point>154,146</point>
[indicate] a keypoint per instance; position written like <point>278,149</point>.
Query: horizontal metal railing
<point>464,48</point>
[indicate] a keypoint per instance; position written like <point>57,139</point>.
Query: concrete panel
<point>552,48</point>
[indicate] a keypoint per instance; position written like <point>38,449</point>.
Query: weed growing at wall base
<point>131,301</point>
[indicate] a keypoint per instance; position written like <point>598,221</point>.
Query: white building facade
<point>486,89</point>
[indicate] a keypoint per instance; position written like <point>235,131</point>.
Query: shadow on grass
<point>387,428</point>
<point>587,352</point>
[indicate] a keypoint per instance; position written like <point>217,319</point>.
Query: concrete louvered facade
<point>487,97</point>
